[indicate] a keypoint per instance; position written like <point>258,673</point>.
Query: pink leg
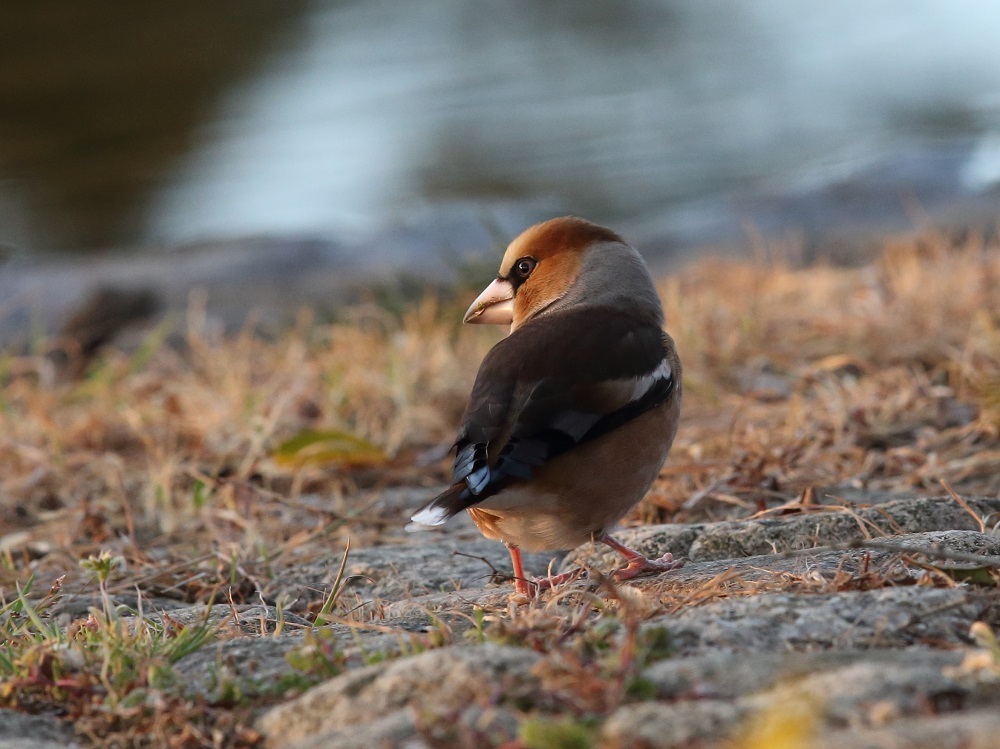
<point>521,583</point>
<point>532,587</point>
<point>637,563</point>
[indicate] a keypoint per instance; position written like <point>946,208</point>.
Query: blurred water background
<point>371,136</point>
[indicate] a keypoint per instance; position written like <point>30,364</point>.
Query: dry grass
<point>179,446</point>
<point>885,377</point>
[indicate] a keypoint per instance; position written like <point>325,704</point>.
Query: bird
<point>571,415</point>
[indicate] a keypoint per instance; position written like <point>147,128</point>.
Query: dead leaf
<point>319,447</point>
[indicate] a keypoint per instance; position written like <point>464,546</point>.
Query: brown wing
<point>555,383</point>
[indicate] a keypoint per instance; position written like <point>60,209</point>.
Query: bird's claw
<point>645,566</point>
<point>531,588</point>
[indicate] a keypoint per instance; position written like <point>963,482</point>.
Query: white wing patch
<point>642,385</point>
<point>619,394</point>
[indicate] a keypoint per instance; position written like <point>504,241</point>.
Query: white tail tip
<point>428,517</point>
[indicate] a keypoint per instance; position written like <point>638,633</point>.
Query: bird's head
<point>563,262</point>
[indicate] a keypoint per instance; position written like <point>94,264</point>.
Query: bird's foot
<point>524,589</point>
<point>527,589</point>
<point>547,583</point>
<point>640,565</point>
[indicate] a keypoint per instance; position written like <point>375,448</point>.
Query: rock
<point>397,729</point>
<point>250,619</point>
<point>744,538</point>
<point>816,567</point>
<point>431,564</point>
<point>658,725</point>
<point>243,667</point>
<point>473,727</point>
<point>853,695</point>
<point>777,622</point>
<point>866,641</point>
<point>74,605</point>
<point>973,730</point>
<point>874,694</point>
<point>261,665</point>
<point>20,731</point>
<point>740,539</point>
<point>718,675</point>
<point>432,686</point>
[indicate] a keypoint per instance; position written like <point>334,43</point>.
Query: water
<point>345,119</point>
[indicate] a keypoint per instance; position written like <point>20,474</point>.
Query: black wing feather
<point>538,395</point>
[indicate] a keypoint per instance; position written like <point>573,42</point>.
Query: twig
<point>496,576</point>
<point>702,493</point>
<point>487,562</point>
<point>155,573</point>
<point>339,522</point>
<point>965,506</point>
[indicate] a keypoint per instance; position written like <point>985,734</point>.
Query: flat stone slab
<point>389,700</point>
<point>868,642</point>
<point>812,572</point>
<point>20,731</point>
<point>976,729</point>
<point>481,691</point>
<point>431,563</point>
<point>427,648</point>
<point>770,535</point>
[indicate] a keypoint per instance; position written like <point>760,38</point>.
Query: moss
<point>561,733</point>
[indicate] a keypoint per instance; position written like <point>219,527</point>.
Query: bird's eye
<point>524,266</point>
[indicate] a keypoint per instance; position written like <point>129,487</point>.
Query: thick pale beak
<point>495,306</point>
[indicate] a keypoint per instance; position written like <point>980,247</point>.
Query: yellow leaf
<point>319,447</point>
<point>788,723</point>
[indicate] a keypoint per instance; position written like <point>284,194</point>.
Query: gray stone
<point>872,694</point>
<point>432,563</point>
<point>396,729</point>
<point>472,727</point>
<point>751,631</point>
<point>718,675</point>
<point>857,696</point>
<point>435,684</point>
<point>658,725</point>
<point>249,619</point>
<point>762,536</point>
<point>21,731</point>
<point>979,729</point>
<point>740,539</point>
<point>248,666</point>
<point>78,605</point>
<point>779,622</point>
<point>254,665</point>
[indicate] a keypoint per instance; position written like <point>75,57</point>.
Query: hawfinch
<point>571,415</point>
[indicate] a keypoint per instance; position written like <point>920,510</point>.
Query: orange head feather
<point>544,261</point>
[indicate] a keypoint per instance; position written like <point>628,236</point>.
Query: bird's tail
<point>450,502</point>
